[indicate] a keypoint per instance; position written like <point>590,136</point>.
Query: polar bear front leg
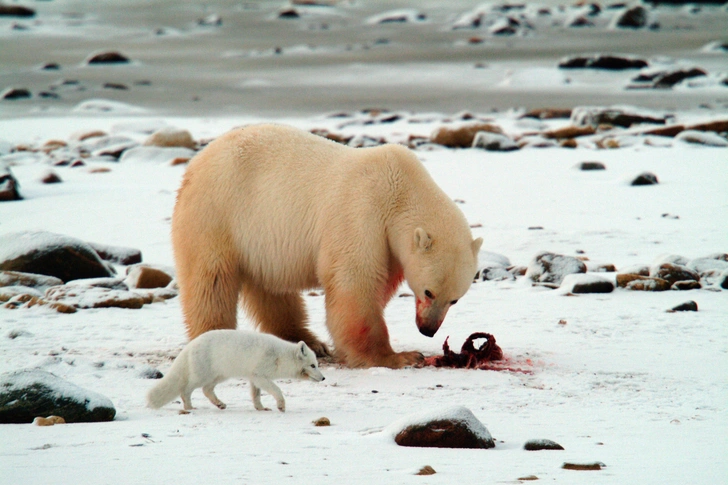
<point>360,334</point>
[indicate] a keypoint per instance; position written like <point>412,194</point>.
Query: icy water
<point>338,58</point>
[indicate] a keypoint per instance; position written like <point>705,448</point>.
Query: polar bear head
<point>439,271</point>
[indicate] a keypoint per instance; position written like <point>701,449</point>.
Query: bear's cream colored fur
<point>267,211</point>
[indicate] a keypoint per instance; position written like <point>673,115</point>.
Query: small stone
<point>537,445</point>
<point>645,178</point>
<point>108,58</point>
<point>171,137</point>
<point>582,466</point>
<point>141,276</point>
<point>462,136</point>
<point>50,177</point>
<point>323,421</point>
<point>528,478</point>
<point>688,306</point>
<point>586,166</point>
<point>634,18</point>
<point>426,470</point>
<point>12,94</point>
<point>49,421</point>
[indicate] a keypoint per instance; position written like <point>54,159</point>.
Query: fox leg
<point>269,386</point>
<point>209,392</point>
<point>255,394</point>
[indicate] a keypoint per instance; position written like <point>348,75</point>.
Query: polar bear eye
<point>453,302</point>
<point>429,295</point>
<point>313,366</point>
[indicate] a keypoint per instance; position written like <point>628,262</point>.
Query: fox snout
<point>315,375</point>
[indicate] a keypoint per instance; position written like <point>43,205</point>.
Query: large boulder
<point>29,393</point>
<point>550,268</point>
<point>50,254</point>
<point>454,427</point>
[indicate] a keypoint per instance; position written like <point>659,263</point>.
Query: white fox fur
<point>218,355</point>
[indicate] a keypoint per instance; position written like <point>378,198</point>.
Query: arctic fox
<point>218,355</point>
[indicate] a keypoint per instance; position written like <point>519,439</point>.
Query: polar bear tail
<point>170,386</point>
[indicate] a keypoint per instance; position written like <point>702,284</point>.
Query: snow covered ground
<point>614,378</point>
<point>621,382</point>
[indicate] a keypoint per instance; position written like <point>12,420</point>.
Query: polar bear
<point>266,211</point>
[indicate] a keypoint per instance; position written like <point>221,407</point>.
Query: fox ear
<point>302,347</point>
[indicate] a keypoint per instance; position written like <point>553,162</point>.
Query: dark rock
<point>458,428</point>
<point>582,466</point>
<point>8,185</point>
<point>50,177</point>
<point>615,116</point>
<point>426,470</point>
<point>537,445</point>
<point>723,282</point>
<point>645,178</point>
<point>634,18</point>
<point>593,286</point>
<point>50,254</point>
<point>686,285</point>
<point>49,95</point>
<point>688,306</point>
<point>641,283</point>
<point>117,86</point>
<point>551,268</point>
<point>11,94</point>
<point>289,13</point>
<point>108,58</point>
<point>592,166</point>
<point>602,62</point>
<point>16,11</point>
<point>117,254</point>
<point>51,66</point>
<point>29,393</point>
<point>461,136</point>
<point>548,114</point>
<point>669,79</point>
<point>149,372</point>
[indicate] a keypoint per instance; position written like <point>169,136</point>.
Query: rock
<point>149,372</point>
<point>615,116</point>
<point>289,13</point>
<point>637,269</point>
<point>586,283</point>
<point>171,137</point>
<point>455,427</point>
<point>16,11</point>
<point>493,267</point>
<point>111,57</point>
<point>686,285</point>
<point>399,16</point>
<point>723,280</point>
<point>8,185</point>
<point>673,273</point>
<point>108,283</point>
<point>582,466</point>
<point>552,268</point>
<point>142,276</point>
<point>29,280</point>
<point>80,296</point>
<point>117,254</point>
<point>426,470</point>
<point>462,136</point>
<point>702,138</point>
<point>645,178</point>
<point>49,421</point>
<point>494,142</point>
<point>11,294</point>
<point>717,126</point>
<point>108,146</point>
<point>212,20</point>
<point>568,132</point>
<point>708,263</point>
<point>642,283</point>
<point>12,94</point>
<point>28,393</point>
<point>669,79</point>
<point>587,166</point>
<point>537,445</point>
<point>50,177</point>
<point>633,18</point>
<point>324,421</point>
<point>50,254</point>
<point>598,61</point>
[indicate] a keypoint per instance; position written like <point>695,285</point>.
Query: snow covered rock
<point>624,116</point>
<point>400,16</point>
<point>493,267</point>
<point>645,178</point>
<point>8,185</point>
<point>633,18</point>
<point>50,254</point>
<point>537,445</point>
<point>454,427</point>
<point>551,268</point>
<point>494,142</point>
<point>29,280</point>
<point>80,296</point>
<point>117,254</point>
<point>29,393</point>
<point>702,138</point>
<point>641,283</point>
<point>600,61</point>
<point>586,283</point>
<point>673,273</point>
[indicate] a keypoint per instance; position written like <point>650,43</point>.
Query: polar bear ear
<point>422,239</point>
<point>476,245</point>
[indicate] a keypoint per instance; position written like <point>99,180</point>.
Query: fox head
<point>308,363</point>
